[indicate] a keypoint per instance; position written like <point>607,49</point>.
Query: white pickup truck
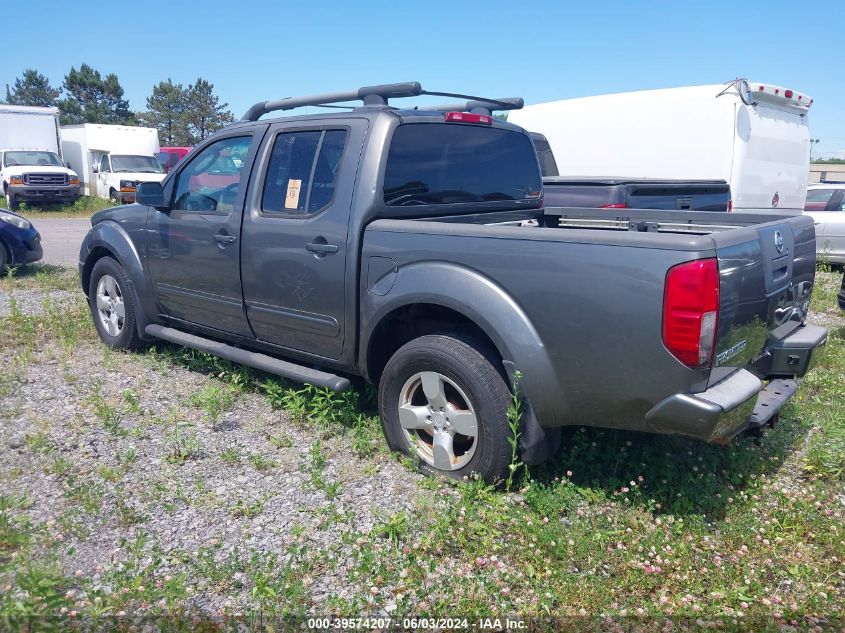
<point>31,167</point>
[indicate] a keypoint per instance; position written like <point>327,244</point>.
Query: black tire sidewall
<point>464,364</point>
<point>128,337</point>
<point>5,259</point>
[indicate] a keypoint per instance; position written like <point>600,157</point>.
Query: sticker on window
<point>292,197</point>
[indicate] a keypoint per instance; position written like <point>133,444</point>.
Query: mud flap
<point>537,444</point>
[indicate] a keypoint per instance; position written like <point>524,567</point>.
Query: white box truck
<point>112,159</point>
<point>31,167</point>
<point>753,135</point>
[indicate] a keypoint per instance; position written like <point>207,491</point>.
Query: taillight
<point>730,206</point>
<point>615,205</point>
<point>468,117</point>
<point>691,311</point>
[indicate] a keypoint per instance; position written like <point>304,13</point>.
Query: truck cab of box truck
<point>31,165</point>
<point>118,175</point>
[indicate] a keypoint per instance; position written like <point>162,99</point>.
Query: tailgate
<point>766,275</point>
<point>687,196</point>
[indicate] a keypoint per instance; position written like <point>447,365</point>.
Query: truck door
<point>103,174</point>
<point>295,235</point>
<point>193,247</point>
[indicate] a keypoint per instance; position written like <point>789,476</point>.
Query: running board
<point>271,365</point>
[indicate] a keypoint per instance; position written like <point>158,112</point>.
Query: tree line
<point>183,115</point>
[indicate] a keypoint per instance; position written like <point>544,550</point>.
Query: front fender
<point>485,303</point>
<point>110,238</point>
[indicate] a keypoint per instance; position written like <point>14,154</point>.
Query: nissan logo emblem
<point>779,241</point>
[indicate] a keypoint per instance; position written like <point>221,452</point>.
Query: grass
<point>84,206</point>
<point>629,527</point>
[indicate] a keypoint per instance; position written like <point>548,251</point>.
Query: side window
<point>211,182</point>
<point>819,195</point>
<point>104,164</point>
<point>302,173</point>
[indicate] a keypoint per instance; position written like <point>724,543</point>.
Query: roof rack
<point>377,96</point>
<point>478,106</point>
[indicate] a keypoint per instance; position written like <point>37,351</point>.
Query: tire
<point>109,294</point>
<point>114,197</point>
<point>12,201</point>
<point>5,260</point>
<point>418,378</point>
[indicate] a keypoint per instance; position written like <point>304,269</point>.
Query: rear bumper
<point>713,415</point>
<point>740,401</point>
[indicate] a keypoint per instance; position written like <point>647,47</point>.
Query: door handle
<point>318,247</point>
<point>225,239</point>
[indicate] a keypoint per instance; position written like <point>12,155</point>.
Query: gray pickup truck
<point>411,247</point>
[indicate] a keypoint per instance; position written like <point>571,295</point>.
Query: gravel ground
<point>32,301</point>
<point>89,435</point>
<point>65,434</point>
<point>61,239</point>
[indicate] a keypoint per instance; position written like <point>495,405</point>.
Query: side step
<point>263,362</point>
<point>771,399</point>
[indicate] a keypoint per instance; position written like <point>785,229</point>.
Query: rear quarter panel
<point>595,306</point>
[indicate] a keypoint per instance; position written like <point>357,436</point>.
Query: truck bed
<point>593,289</point>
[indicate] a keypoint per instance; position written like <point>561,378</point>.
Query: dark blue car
<point>20,243</point>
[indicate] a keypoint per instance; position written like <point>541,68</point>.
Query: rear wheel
<point>442,401</point>
<point>113,305</point>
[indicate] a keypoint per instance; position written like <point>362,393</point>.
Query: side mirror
<point>95,169</point>
<point>68,166</point>
<point>150,194</point>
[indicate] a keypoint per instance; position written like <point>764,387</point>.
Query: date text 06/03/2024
<point>411,623</point>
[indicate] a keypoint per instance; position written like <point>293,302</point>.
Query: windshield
<point>142,164</point>
<point>29,159</point>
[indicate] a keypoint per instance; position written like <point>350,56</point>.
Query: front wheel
<point>12,199</point>
<point>113,305</point>
<point>442,400</point>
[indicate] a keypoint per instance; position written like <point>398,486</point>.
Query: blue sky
<point>542,51</point>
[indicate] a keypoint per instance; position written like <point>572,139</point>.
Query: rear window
<point>449,163</point>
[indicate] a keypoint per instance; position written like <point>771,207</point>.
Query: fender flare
<point>485,303</point>
<point>111,237</point>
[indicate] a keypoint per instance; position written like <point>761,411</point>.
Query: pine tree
<point>94,99</point>
<point>32,89</point>
<point>166,108</point>
<point>204,114</point>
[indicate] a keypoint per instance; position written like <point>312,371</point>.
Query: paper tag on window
<point>292,197</point>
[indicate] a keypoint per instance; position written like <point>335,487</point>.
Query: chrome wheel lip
<point>431,429</point>
<point>110,307</point>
